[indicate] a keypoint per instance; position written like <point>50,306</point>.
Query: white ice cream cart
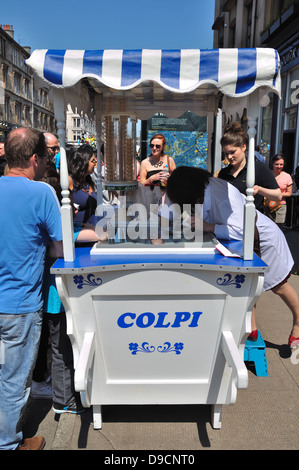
<point>157,324</point>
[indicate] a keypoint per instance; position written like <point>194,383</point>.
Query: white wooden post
<point>218,134</point>
<point>249,212</point>
<point>98,106</point>
<point>66,209</point>
<point>210,128</point>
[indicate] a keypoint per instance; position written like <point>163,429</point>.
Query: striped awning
<point>234,72</point>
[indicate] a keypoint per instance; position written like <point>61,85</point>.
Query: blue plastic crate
<point>255,351</point>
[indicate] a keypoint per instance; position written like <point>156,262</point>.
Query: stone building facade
<point>22,103</point>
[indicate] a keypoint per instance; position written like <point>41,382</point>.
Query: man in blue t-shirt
<point>30,224</point>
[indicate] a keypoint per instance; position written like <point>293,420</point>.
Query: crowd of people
<point>30,226</point>
<point>31,311</point>
<point>32,315</point>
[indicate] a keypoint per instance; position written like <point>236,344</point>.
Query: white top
<point>224,207</point>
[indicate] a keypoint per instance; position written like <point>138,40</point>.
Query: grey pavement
<point>264,417</point>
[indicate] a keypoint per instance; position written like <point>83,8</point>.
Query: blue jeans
<point>19,335</point>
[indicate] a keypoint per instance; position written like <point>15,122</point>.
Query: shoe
<point>293,342</point>
<point>33,443</point>
<point>41,390</point>
<point>75,408</point>
<point>253,335</point>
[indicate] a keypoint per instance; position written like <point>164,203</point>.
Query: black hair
<point>78,161</point>
<point>186,185</point>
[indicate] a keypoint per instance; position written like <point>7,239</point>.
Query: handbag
<point>272,206</point>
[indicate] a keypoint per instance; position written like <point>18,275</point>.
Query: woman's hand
<point>155,177</point>
<point>163,177</point>
<point>206,227</point>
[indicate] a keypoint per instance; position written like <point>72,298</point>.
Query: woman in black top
<point>234,145</point>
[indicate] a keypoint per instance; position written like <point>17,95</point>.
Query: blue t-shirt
<point>29,218</point>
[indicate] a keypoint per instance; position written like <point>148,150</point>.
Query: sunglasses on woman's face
<point>158,146</point>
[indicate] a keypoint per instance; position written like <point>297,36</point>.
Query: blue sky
<point>111,24</point>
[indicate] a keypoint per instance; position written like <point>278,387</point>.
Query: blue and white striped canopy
<point>235,72</point>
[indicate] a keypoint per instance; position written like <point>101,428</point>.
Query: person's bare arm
<point>272,194</point>
<point>288,192</point>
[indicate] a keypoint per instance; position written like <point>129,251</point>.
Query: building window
<point>276,8</point>
<point>2,47</point>
<point>76,135</point>
<point>18,116</point>
<point>27,115</point>
<point>17,83</point>
<point>76,122</point>
<point>4,74</point>
<point>291,107</point>
<point>6,109</point>
<point>45,121</point>
<point>26,88</point>
<point>35,118</point>
<point>291,118</point>
<point>15,58</point>
<point>44,98</point>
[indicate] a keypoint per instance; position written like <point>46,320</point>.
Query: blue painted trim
<point>85,260</point>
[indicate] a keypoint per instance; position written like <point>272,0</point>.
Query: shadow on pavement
<point>199,414</point>
<point>36,410</point>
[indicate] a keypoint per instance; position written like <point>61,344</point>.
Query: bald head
<point>52,144</point>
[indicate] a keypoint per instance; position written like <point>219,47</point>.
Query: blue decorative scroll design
<point>90,280</point>
<point>228,280</point>
<point>146,348</point>
<point>177,348</point>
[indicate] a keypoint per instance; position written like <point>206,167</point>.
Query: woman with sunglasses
<point>156,168</point>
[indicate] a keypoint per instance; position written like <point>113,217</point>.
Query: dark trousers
<point>62,365</point>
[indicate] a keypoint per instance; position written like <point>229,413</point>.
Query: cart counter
<point>159,327</point>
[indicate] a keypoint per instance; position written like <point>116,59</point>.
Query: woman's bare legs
<point>288,294</point>
<point>253,324</point>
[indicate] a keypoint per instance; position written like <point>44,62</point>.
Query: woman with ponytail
<point>235,146</point>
